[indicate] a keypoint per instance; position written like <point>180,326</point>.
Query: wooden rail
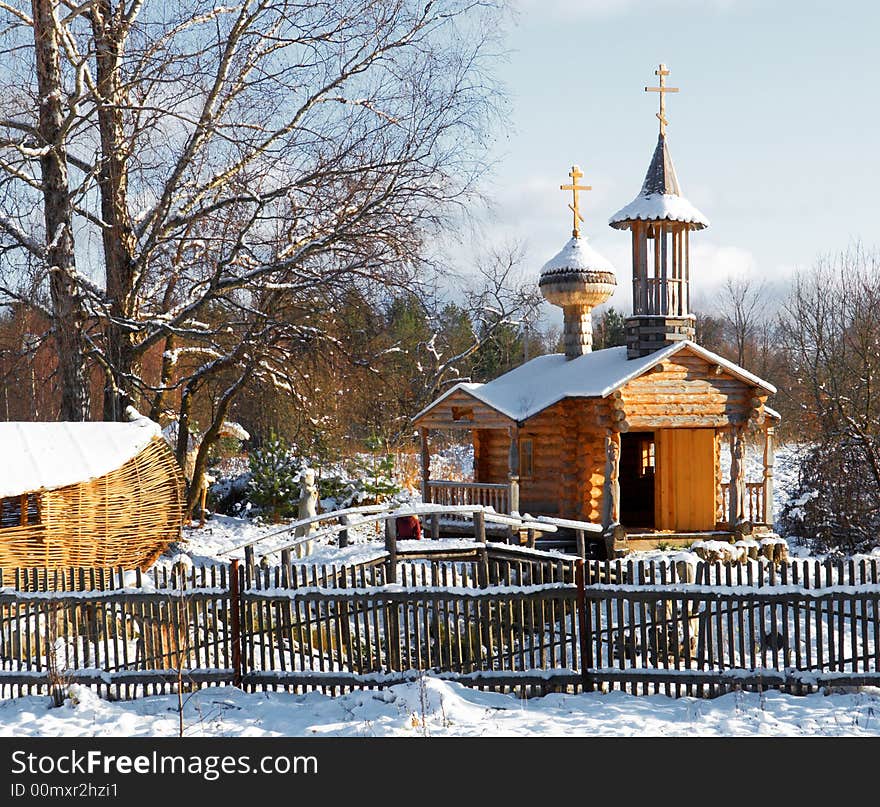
<point>445,492</point>
<point>710,628</point>
<point>754,506</point>
<point>477,514</point>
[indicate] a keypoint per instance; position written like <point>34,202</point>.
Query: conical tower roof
<point>660,198</point>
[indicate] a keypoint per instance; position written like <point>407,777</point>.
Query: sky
<point>774,133</point>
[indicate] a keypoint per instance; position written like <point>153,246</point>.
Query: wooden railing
<point>443,491</point>
<point>754,507</point>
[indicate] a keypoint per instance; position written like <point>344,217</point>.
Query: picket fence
<point>499,617</point>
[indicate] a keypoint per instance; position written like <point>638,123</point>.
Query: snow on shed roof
<point>46,456</point>
<point>532,387</point>
<point>660,198</point>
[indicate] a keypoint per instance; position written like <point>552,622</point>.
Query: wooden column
<point>643,269</point>
<point>426,465</point>
<point>737,475</point>
<point>611,488</point>
<point>768,474</point>
<point>686,301</point>
<point>391,549</point>
<point>513,471</point>
<point>664,271</point>
<point>655,289</point>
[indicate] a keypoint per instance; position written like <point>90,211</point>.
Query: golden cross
<point>662,89</point>
<point>575,175</point>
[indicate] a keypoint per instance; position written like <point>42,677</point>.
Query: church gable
<point>687,389</point>
<point>459,409</point>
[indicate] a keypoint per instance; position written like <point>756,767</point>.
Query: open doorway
<point>637,461</point>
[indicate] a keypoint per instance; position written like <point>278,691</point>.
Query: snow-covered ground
<point>436,708</point>
<point>431,706</point>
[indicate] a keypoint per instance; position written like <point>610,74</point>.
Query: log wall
<point>685,391</point>
<point>568,460</point>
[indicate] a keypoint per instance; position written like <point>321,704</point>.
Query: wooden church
<point>627,437</point>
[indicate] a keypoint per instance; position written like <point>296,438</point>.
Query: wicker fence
<point>505,618</point>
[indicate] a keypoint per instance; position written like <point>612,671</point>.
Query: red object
<point>409,528</point>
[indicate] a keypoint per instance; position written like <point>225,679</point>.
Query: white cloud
<point>711,264</point>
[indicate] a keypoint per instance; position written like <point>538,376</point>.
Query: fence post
<point>581,544</point>
<point>480,526</point>
<point>249,565</point>
<point>391,548</point>
<point>235,614</point>
<point>343,534</point>
<point>285,568</point>
<point>586,642</point>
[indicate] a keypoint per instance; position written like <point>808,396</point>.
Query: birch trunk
<point>118,234</point>
<point>68,314</point>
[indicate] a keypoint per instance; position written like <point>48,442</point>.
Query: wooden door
<point>684,496</point>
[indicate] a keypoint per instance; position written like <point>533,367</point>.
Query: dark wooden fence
<point>494,616</point>
<point>499,617</point>
<point>709,628</point>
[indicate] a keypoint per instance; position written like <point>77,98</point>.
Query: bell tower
<point>660,220</point>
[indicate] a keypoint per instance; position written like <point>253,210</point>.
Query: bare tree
<point>243,167</point>
<point>498,297</point>
<point>33,155</point>
<point>831,336</point>
<point>743,307</point>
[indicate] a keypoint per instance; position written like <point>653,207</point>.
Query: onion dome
<point>577,275</point>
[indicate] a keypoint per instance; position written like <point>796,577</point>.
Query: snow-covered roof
<point>660,198</point>
<point>545,380</point>
<point>576,256</point>
<point>46,456</point>
<point>772,413</point>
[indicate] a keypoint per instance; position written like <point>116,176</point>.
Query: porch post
<point>737,475</point>
<point>611,490</point>
<point>768,473</point>
<point>426,465</point>
<point>513,470</point>
<point>719,477</point>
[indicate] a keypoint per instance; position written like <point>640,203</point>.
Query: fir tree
<point>274,478</point>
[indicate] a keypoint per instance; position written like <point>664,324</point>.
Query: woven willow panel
<point>126,518</point>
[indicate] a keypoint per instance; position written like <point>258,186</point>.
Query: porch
<point>739,505</point>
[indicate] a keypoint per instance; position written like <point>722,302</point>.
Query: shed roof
<point>660,198</point>
<point>46,456</point>
<point>532,387</point>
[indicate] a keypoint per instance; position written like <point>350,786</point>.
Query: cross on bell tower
<point>662,89</point>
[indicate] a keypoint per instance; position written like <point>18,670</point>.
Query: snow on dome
<point>45,456</point>
<point>577,256</point>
